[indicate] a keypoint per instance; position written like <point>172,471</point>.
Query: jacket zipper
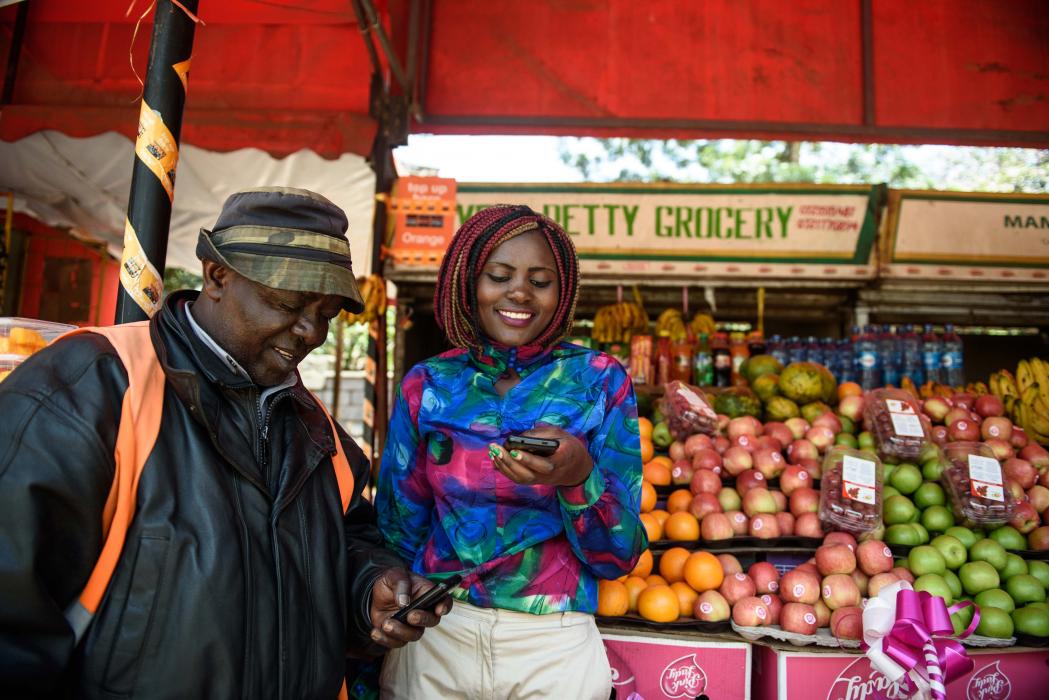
<point>263,459</point>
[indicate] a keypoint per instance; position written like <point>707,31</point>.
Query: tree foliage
<point>734,161</point>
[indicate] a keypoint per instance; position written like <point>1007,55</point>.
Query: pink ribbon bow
<point>906,637</point>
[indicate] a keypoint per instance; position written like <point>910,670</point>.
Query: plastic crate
<point>21,337</point>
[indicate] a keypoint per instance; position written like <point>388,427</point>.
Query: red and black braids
<point>455,297</point>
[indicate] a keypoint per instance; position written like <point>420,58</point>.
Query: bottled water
<point>813,351</point>
<point>932,355</point>
<point>830,356</point>
<point>778,350</point>
<point>796,350</point>
<point>952,361</point>
<point>868,360</point>
<point>911,350</point>
<point>846,361</point>
<point>891,357</point>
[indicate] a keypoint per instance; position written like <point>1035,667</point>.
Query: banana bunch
<point>702,323</point>
<point>616,323</point>
<point>1031,410</point>
<point>373,291</point>
<point>671,323</point>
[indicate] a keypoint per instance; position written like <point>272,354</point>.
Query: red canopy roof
<point>285,76</point>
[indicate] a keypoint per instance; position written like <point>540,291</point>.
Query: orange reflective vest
<point>140,416</point>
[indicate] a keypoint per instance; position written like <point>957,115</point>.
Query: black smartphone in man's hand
<point>429,599</point>
<point>543,447</point>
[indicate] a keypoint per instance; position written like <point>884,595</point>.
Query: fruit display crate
<point>742,544</point>
<point>681,624</point>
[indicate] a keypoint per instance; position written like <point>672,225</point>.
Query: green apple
<point>929,494</point>
<point>954,583</point>
<point>886,471</point>
<point>962,617</point>
<point>906,478</point>
<point>978,576</point>
<point>995,623</point>
<point>888,492</point>
<point>926,560</point>
<point>866,441</point>
<point>902,534</point>
<point>846,439</point>
<point>937,519</point>
<point>1040,570</point>
<point>1009,537</point>
<point>1025,588</point>
<point>897,509</point>
<point>995,598</point>
<point>963,535</point>
<point>1041,606</point>
<point>923,534</point>
<point>1031,620</point>
<point>953,551</point>
<point>934,584</point>
<point>847,425</point>
<point>1014,564</point>
<point>932,469</point>
<point>661,436</point>
<point>989,551</point>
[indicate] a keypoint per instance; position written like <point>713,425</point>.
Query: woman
<point>531,535</point>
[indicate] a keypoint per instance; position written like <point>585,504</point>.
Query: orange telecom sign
<point>422,217</point>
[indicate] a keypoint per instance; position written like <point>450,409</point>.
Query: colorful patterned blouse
<point>445,508</point>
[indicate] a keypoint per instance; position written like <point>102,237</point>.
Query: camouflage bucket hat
<point>284,238</point>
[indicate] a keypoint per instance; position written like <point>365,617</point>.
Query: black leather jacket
<point>240,575</point>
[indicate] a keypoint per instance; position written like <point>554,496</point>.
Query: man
<point>251,565</point>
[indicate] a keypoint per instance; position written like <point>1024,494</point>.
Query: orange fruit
<point>660,515</point>
<point>681,526</point>
<point>653,528</point>
<point>634,586</point>
<point>663,459</point>
<point>656,580</point>
<point>849,389</point>
<point>613,599</point>
<point>644,428</point>
<point>679,500</point>
<point>659,604</point>
<point>672,564</point>
<point>703,571</point>
<point>648,450</point>
<point>644,565</point>
<point>656,473</point>
<point>648,497</point>
<point>686,597</point>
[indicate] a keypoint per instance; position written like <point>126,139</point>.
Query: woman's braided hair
<point>455,297</point>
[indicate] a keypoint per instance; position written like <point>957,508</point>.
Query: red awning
<point>282,76</point>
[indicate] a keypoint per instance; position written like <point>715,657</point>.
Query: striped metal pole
<point>156,158</point>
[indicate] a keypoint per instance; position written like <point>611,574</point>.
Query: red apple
<point>723,422</point>
<point>740,522</point>
<point>804,500</point>
<point>705,481</point>
<point>1025,518</point>
<point>750,612</point>
<point>716,526</point>
<point>793,477</point>
<point>779,431</point>
<point>939,435</point>
<point>847,623</point>
<point>1021,471</point>
<point>1002,450</point>
<point>903,574</point>
<point>812,466</point>
<point>1038,539</point>
<point>1038,496</point>
<point>798,618</point>
<point>711,606</point>
<point>729,564</point>
<point>695,443</point>
<point>821,436</point>
<point>861,580</point>
<point>1014,491</point>
<point>964,399</point>
<point>729,499</point>
<point>681,473</point>
<point>880,581</point>
<point>721,443</point>
<point>989,405</point>
<point>767,442</point>
<point>703,504</point>
<point>1019,438</point>
<point>769,462</point>
<point>964,430</point>
<point>677,450</point>
<point>775,606</point>
<point>736,587</point>
<point>852,408</point>
<point>765,577</point>
<point>798,426</point>
<point>785,522</point>
<point>840,538</point>
<point>764,526</point>
<point>828,420</point>
<point>808,525</point>
<point>737,460</point>
<point>996,427</point>
<point>780,499</point>
<point>747,442</point>
<point>835,559</point>
<point>799,586</point>
<point>802,449</point>
<point>822,613</point>
<point>1036,455</point>
<point>874,557</point>
<point>840,591</point>
<point>936,407</point>
<point>706,458</point>
<point>758,500</point>
<point>750,479</point>
<point>956,414</point>
<point>744,425</point>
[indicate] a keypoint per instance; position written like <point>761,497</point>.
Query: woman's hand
<point>570,465</point>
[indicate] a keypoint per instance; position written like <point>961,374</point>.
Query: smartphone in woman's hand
<point>543,447</point>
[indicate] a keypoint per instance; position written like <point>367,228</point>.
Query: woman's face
<point>518,290</point>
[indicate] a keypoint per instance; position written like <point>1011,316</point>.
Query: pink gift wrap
<point>664,668</point>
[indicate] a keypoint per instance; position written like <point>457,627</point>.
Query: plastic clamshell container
<point>975,484</point>
<point>894,418</point>
<point>850,490</point>
<point>21,337</point>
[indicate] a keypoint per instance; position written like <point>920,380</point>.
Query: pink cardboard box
<point>662,667</point>
<point>999,674</point>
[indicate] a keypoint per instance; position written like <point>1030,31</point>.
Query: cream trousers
<point>491,654</point>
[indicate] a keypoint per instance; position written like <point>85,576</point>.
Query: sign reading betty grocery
<point>965,236</point>
<point>769,230</point>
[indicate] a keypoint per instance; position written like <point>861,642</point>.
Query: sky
<point>488,158</point>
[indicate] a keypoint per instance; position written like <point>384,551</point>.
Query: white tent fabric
<point>83,185</point>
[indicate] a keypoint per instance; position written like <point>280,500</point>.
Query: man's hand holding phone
<point>396,590</point>
<point>569,464</point>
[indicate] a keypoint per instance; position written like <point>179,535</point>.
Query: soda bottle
<point>756,343</point>
<point>868,360</point>
<point>703,363</point>
<point>722,360</point>
<point>952,361</point>
<point>739,354</point>
<point>778,349</point>
<point>932,355</point>
<point>911,349</point>
<point>890,358</point>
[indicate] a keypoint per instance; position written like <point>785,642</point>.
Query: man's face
<point>269,331</point>
<point>518,290</point>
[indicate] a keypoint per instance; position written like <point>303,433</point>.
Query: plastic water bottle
<point>932,355</point>
<point>778,349</point>
<point>795,350</point>
<point>952,361</point>
<point>830,356</point>
<point>890,356</point>
<point>868,359</point>
<point>813,351</point>
<point>846,361</point>
<point>911,344</point>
